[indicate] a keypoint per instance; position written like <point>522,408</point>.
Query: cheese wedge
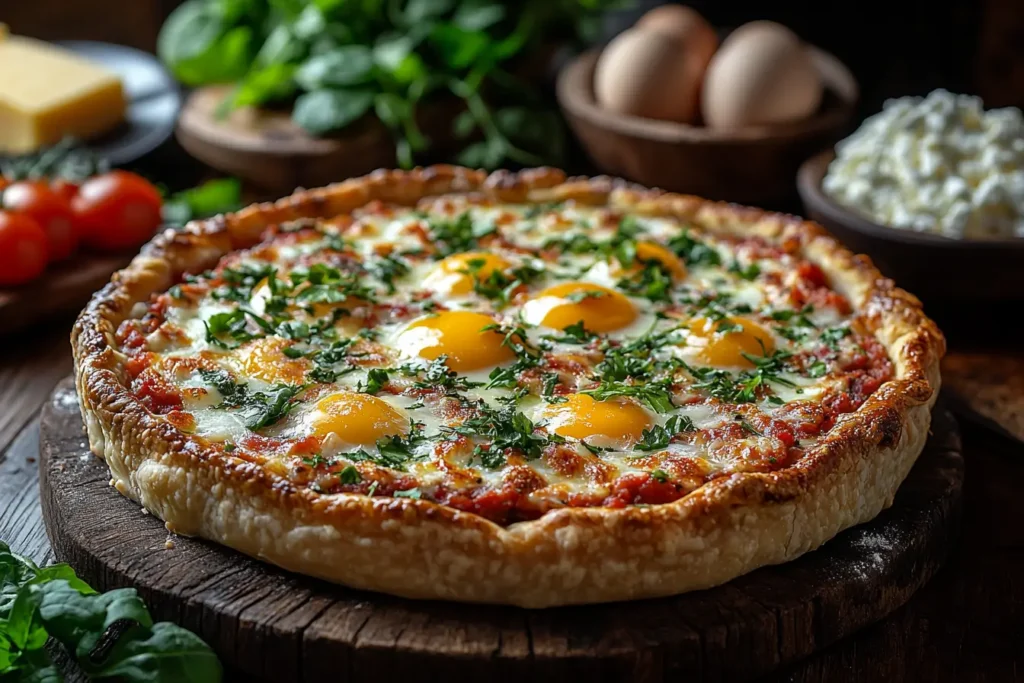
<point>47,93</point>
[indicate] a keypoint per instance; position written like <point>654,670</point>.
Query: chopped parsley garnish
<point>653,282</point>
<point>394,452</point>
<point>350,475</point>
<point>231,324</point>
<point>660,476</point>
<point>654,394</point>
<point>747,272</point>
<point>241,280</point>
<point>505,429</point>
<point>499,285</point>
<point>659,437</point>
<point>817,369</point>
<point>458,234</point>
<point>693,251</point>
<point>315,460</point>
<point>527,356</point>
<point>573,334</point>
<point>749,385</point>
<point>258,409</point>
<point>387,269</point>
<point>376,379</point>
<point>832,336</point>
<point>437,375</point>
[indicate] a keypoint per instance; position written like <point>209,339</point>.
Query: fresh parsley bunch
<point>334,61</point>
<point>110,635</point>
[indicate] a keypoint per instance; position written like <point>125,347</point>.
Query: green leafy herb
<point>747,272</point>
<point>832,336</point>
<point>350,475</point>
<point>654,394</point>
<point>505,429</point>
<point>258,409</point>
<point>438,375</point>
<point>67,160</point>
<point>693,251</point>
<point>414,493</point>
<point>574,334</point>
<point>334,62</point>
<point>659,437</point>
<point>108,635</point>
<point>394,452</point>
<point>210,198</point>
<point>458,234</point>
<point>376,379</point>
<point>817,369</point>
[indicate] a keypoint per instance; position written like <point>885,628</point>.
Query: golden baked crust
<point>419,549</point>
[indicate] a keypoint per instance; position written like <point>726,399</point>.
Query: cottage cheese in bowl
<point>939,164</point>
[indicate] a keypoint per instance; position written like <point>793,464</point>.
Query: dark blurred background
<point>894,47</point>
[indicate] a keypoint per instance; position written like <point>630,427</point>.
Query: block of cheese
<point>47,93</point>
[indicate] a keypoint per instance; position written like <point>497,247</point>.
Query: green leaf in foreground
<point>323,111</point>
<point>110,635</point>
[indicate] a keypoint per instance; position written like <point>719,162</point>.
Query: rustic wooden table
<point>967,624</point>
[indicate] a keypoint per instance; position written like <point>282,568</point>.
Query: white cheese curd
<point>939,164</point>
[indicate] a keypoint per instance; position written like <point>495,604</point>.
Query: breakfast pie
<point>508,388</point>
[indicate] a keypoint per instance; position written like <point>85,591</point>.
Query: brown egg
<point>651,74</point>
<point>763,74</point>
<point>682,23</point>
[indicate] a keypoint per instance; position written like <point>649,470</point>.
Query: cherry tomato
<point>117,210</point>
<point>50,210</point>
<point>22,249</point>
<point>65,188</point>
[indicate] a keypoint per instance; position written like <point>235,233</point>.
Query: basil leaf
<point>165,652</point>
<point>270,83</point>
<point>344,66</point>
<point>200,46</point>
<point>417,11</point>
<point>323,111</point>
<point>79,621</point>
<point>459,47</point>
<point>478,17</point>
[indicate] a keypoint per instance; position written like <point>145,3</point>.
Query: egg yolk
<point>650,251</point>
<point>460,336</point>
<point>359,419</point>
<point>599,309</point>
<point>723,342</point>
<point>265,360</point>
<point>457,274</point>
<point>580,416</point>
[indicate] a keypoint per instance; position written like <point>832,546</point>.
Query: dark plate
<point>154,100</point>
<point>945,273</point>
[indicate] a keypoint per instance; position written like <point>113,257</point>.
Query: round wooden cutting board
<point>271,625</point>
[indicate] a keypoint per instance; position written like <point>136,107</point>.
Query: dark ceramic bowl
<point>943,272</point>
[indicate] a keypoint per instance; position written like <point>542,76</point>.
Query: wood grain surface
<point>988,387</point>
<point>275,626</point>
<point>64,288</point>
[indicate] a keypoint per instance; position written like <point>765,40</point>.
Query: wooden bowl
<point>266,148</point>
<point>751,165</point>
<point>943,272</point>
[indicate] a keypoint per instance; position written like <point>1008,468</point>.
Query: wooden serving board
<point>267,624</point>
<point>65,287</point>
<point>988,388</point>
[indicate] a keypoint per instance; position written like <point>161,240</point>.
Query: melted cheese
<point>521,362</point>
